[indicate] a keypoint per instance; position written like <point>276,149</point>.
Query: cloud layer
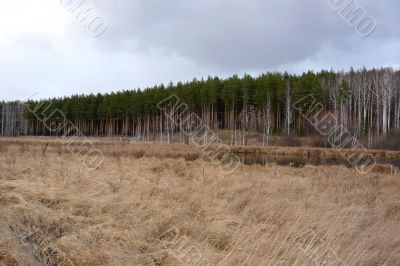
<point>45,49</point>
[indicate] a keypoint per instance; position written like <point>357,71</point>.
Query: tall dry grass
<point>56,212</point>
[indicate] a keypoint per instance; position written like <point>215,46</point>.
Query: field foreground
<point>143,210</point>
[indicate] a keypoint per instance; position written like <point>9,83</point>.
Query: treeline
<point>12,119</point>
<point>366,102</point>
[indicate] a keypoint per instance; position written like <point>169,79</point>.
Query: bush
<point>320,142</point>
<point>388,143</point>
<point>291,142</point>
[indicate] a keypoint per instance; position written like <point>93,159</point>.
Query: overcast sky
<point>46,49</point>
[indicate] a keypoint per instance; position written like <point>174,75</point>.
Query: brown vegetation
<point>54,211</point>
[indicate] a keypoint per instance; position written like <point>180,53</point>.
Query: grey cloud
<point>237,34</point>
<point>149,41</point>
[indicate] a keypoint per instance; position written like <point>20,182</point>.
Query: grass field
<point>150,205</point>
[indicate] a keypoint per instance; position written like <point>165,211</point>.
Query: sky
<point>56,48</point>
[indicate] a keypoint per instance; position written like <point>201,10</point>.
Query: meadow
<point>161,205</point>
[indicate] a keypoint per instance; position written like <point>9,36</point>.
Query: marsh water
<point>300,161</point>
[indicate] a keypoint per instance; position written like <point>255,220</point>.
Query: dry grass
<point>56,212</point>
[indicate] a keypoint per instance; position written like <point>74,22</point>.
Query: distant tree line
<point>12,119</point>
<point>366,102</point>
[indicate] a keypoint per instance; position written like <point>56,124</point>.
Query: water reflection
<point>301,161</point>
